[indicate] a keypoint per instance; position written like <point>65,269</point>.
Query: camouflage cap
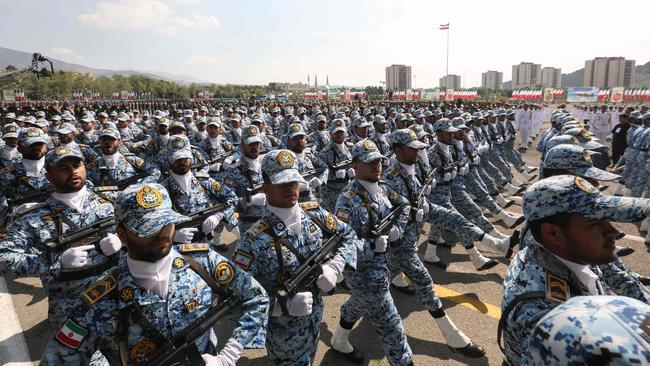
<point>444,124</point>
<point>573,194</point>
<point>54,156</point>
<point>163,121</point>
<point>295,129</point>
<point>10,130</point>
<point>592,330</point>
<point>31,135</point>
<point>66,128</point>
<point>338,125</point>
<point>110,132</point>
<point>281,166</point>
<point>178,147</point>
<point>635,115</point>
<point>214,121</point>
<point>145,209</point>
<point>361,122</point>
<point>458,123</point>
<point>178,124</point>
<point>29,120</point>
<point>10,115</point>
<point>103,114</point>
<point>88,119</point>
<point>379,119</point>
<point>123,117</point>
<point>576,160</point>
<point>366,151</point>
<point>407,137</point>
<point>251,135</point>
<point>419,130</point>
<point>561,140</point>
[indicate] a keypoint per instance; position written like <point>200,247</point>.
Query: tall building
<point>607,72</point>
<point>450,81</point>
<point>552,77</point>
<point>492,80</point>
<point>398,77</point>
<point>526,74</point>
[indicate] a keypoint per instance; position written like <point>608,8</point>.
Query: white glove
<point>75,257</point>
<point>350,172</point>
<point>428,190</point>
<point>476,160</point>
<point>185,235</point>
<point>304,186</point>
<point>24,207</point>
<point>331,270</point>
<point>299,304</point>
<point>394,234</point>
<point>446,177</point>
<point>110,245</point>
<point>215,167</point>
<point>340,174</point>
<point>419,215</point>
<point>454,173</point>
<point>381,243</point>
<point>228,356</point>
<point>500,140</point>
<point>226,163</point>
<point>211,222</point>
<point>258,199</point>
<point>425,208</point>
<point>315,182</point>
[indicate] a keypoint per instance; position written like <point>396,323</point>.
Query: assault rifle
<point>197,218</point>
<point>181,349</point>
<point>90,234</point>
<point>36,195</point>
<point>384,225</point>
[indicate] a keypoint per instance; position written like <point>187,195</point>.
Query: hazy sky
<point>255,42</point>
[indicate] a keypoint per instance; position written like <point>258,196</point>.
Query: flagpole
<point>448,30</point>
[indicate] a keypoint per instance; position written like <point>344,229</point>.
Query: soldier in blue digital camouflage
<point>234,132</point>
<point>191,192</point>
<point>88,136</point>
<point>9,154</point>
<point>572,254</point>
<point>242,172</point>
<point>66,134</point>
<point>505,125</point>
<point>444,157</point>
<point>30,247</point>
<point>592,330</point>
<point>380,138</point>
<point>215,145</point>
<point>313,169</point>
<point>113,167</point>
<point>156,292</point>
<point>275,247</point>
<point>337,157</point>
<point>198,156</point>
<point>362,205</point>
<point>320,138</point>
<point>403,177</point>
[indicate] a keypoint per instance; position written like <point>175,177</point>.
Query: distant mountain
<point>576,78</point>
<point>21,59</point>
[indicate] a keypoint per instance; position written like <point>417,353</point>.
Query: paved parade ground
<point>472,300</point>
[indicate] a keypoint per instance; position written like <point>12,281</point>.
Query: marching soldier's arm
<point>250,331</point>
<point>18,254</point>
<point>349,244</point>
<point>227,195</point>
<point>622,282</point>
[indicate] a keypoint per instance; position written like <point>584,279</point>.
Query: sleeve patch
<point>100,289</point>
<point>343,215</point>
<point>243,259</point>
<point>193,247</point>
<point>556,288</point>
<point>224,273</point>
<point>71,334</point>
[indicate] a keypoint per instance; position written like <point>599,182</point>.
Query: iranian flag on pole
<point>71,334</point>
<point>444,26</point>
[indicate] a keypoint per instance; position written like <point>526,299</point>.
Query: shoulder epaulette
<point>310,205</point>
<point>106,188</point>
<point>201,175</point>
<point>83,145</point>
<point>257,228</point>
<point>8,169</point>
<point>350,193</point>
<point>100,289</point>
<point>193,247</point>
<point>127,154</point>
<point>393,172</point>
<point>557,289</point>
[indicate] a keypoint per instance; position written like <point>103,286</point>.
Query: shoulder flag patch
<point>71,334</point>
<point>243,259</point>
<point>343,215</point>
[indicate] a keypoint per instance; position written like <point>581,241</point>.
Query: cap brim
<point>8,135</point>
<point>596,173</point>
<point>372,157</point>
<point>252,140</point>
<point>417,145</point>
<point>180,155</point>
<point>152,222</point>
<point>617,209</point>
<point>591,145</point>
<point>449,129</point>
<point>287,176</point>
<point>32,141</point>
<point>337,129</point>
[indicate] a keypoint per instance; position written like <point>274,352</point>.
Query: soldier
<point>114,167</point>
<point>359,130</point>
<point>364,202</point>
<point>88,135</point>
<point>320,138</point>
<point>402,177</point>
<point>27,250</point>
<point>157,291</point>
<point>277,244</point>
<point>380,138</point>
<point>191,192</point>
<point>572,255</point>
<point>134,138</point>
<point>242,173</point>
<point>9,155</point>
<point>215,145</point>
<point>524,121</point>
<point>592,330</point>
<point>66,134</point>
<point>337,157</point>
<point>307,162</point>
<point>505,125</point>
<point>234,134</point>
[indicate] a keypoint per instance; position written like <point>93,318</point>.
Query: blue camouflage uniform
<point>308,162</point>
<point>291,340</point>
<point>24,252</point>
<point>332,155</point>
<point>537,281</point>
<point>369,283</point>
<point>116,303</point>
<point>592,330</point>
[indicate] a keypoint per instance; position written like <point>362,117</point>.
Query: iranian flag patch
<point>71,334</point>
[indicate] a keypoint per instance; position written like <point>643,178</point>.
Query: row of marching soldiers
<point>122,217</point>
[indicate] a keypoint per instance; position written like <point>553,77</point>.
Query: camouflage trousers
<point>476,187</point>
